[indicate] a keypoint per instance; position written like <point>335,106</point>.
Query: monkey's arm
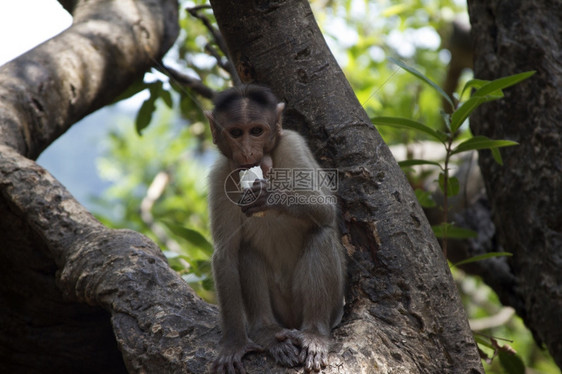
<point>227,283</point>
<point>287,192</point>
<point>316,206</point>
<point>235,343</point>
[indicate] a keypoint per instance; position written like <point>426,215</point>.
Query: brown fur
<point>280,277</point>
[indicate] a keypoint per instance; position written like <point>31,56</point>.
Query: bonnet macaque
<point>278,263</point>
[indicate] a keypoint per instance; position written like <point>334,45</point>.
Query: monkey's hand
<point>230,357</point>
<point>255,198</point>
<point>314,348</point>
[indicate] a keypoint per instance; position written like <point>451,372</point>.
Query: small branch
<point>498,319</point>
<point>154,192</point>
<point>217,37</point>
<point>185,80</point>
<point>226,66</point>
<point>446,193</point>
<point>219,41</point>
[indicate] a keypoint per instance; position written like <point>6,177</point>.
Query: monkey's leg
<point>318,287</point>
<point>262,324</point>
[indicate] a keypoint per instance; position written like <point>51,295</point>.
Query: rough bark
<point>526,193</point>
<point>403,313</point>
<point>74,293</point>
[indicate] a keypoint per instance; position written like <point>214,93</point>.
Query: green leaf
<point>461,114</point>
<point>132,90</point>
<point>155,88</point>
<point>512,363</point>
<point>167,98</point>
<point>144,116</point>
<point>497,155</point>
<point>502,83</point>
<point>192,236</point>
<point>209,284</point>
<point>473,83</point>
<point>418,74</point>
<point>425,199</point>
<point>446,118</point>
<point>486,91</point>
<point>493,95</point>
<point>485,342</point>
<point>395,10</point>
<point>203,266</point>
<point>409,124</point>
<point>448,230</point>
<point>409,163</point>
<point>482,257</point>
<point>453,185</point>
<point>481,142</point>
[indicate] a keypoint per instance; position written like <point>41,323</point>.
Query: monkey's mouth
<point>247,166</point>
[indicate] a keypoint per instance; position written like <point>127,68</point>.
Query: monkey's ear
<point>279,117</point>
<point>212,124</point>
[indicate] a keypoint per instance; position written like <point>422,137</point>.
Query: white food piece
<point>247,177</point>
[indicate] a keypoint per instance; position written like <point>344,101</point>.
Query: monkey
<point>279,275</point>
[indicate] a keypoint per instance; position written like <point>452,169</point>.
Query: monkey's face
<point>246,129</point>
<point>246,143</point>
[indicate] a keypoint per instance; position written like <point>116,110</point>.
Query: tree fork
<point>400,281</point>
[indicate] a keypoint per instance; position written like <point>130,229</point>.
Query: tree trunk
<point>526,193</point>
<point>403,312</point>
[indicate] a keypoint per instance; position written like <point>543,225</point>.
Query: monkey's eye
<point>256,131</point>
<point>235,133</point>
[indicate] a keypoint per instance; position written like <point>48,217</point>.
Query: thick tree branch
<point>110,43</point>
<point>157,319</point>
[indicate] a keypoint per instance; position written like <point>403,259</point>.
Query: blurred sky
<point>72,157</point>
<point>26,23</point>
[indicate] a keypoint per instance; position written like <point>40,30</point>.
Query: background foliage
<point>159,178</point>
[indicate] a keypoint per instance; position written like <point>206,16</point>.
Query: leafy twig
<point>484,91</point>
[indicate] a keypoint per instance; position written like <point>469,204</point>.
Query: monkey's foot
<point>285,353</point>
<point>229,359</point>
<point>314,348</point>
